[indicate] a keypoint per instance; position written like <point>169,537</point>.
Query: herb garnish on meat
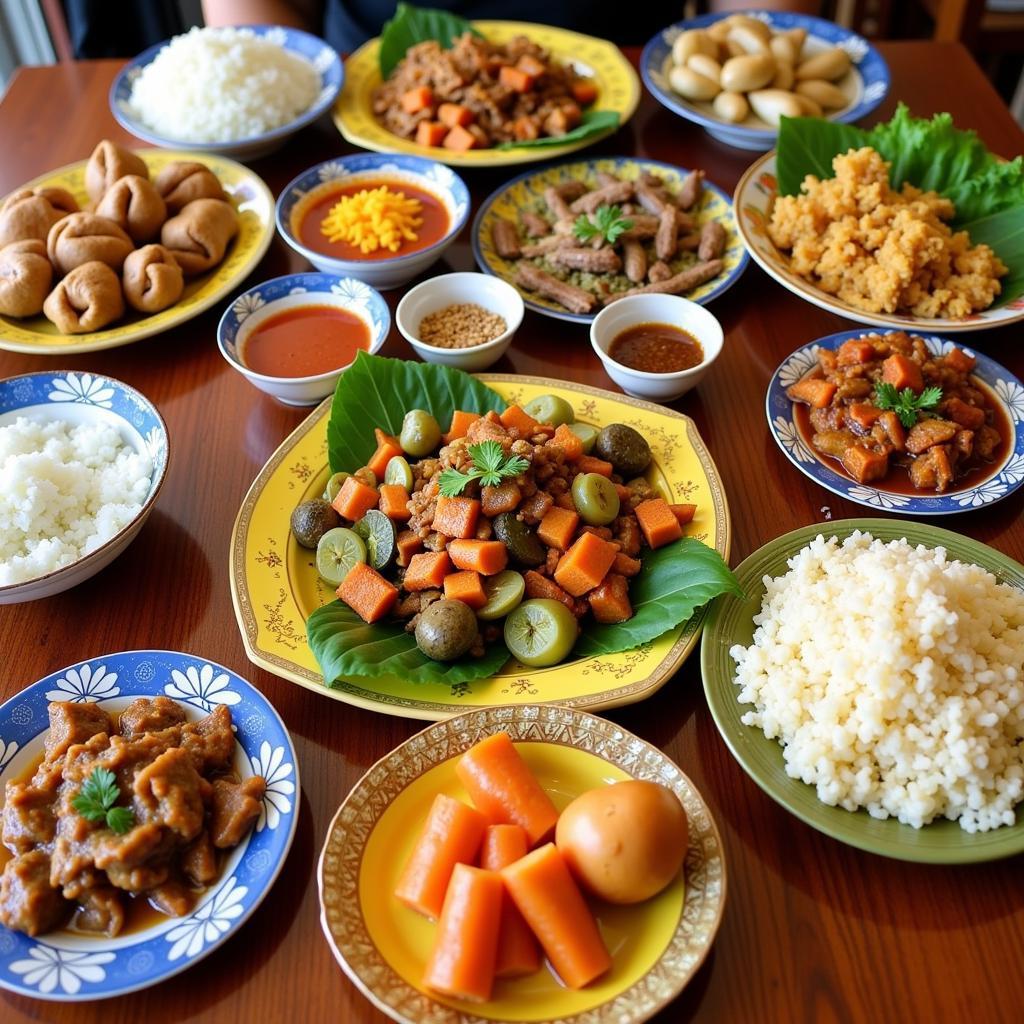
<point>607,222</point>
<point>97,799</point>
<point>490,467</point>
<point>905,403</point>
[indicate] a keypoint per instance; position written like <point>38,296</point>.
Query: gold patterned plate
<point>382,945</point>
<point>275,585</point>
<point>255,205</point>
<point>617,83</point>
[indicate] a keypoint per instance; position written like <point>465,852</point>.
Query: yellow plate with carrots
<point>384,947</point>
<point>275,585</point>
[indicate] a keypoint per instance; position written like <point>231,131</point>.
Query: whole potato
<point>829,64</point>
<point>755,25</point>
<point>823,93</point>
<point>691,85</point>
<point>751,71</point>
<point>718,30</point>
<point>731,106</point>
<point>797,36</point>
<point>772,104</point>
<point>706,66</point>
<point>783,49</point>
<point>748,40</point>
<point>692,42</point>
<point>783,76</point>
<point>729,48</point>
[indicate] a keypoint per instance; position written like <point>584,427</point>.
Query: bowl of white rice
<point>82,460</point>
<point>871,681</point>
<point>239,92</point>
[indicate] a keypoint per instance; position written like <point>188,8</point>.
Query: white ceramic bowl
<point>656,309</point>
<point>293,291</point>
<point>492,293</point>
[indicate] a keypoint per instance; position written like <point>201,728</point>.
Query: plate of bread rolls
<point>124,245</point>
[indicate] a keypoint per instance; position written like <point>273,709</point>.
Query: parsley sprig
<point>905,403</point>
<point>490,466</point>
<point>607,222</point>
<point>97,798</point>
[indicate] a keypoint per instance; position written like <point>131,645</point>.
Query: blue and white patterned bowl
<point>393,271</point>
<point>72,967</point>
<point>1002,387</point>
<point>86,398</point>
<point>293,291</point>
<point>867,84</point>
<point>324,59</point>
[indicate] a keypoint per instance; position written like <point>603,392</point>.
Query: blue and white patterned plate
<point>1002,387</point>
<point>867,84</point>
<point>70,967</point>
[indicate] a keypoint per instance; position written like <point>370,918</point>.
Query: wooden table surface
<point>813,931</point>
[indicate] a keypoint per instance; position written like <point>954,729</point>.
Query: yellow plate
<point>275,585</point>
<point>617,82</point>
<point>657,946</point>
<point>255,204</point>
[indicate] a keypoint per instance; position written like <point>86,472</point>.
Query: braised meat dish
<point>882,403</point>
<point>135,806</point>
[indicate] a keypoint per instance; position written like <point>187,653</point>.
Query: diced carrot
<point>658,522</point>
<point>430,133</point>
<point>569,442</point>
<point>518,952</point>
<point>355,499</point>
<point>417,99</point>
<point>623,492</point>
<point>684,513</point>
<point>531,65</point>
<point>516,79</point>
<point>543,587</point>
<point>467,587</point>
<point>456,517</point>
<point>901,372</point>
<point>557,527</point>
<point>451,835</point>
<point>624,565</point>
<point>452,114</point>
<point>959,360</point>
<point>970,416</point>
<point>854,351</point>
<point>584,91</point>
<point>460,424</point>
<point>525,128</point>
<point>427,570</point>
<point>367,593</point>
<point>864,414</point>
<point>589,464</point>
<point>514,418</point>
<point>609,600</point>
<point>486,557</point>
<point>462,961</point>
<point>459,139</point>
<point>814,391</point>
<point>387,448</point>
<point>503,498</point>
<point>587,562</point>
<point>503,788</point>
<point>865,465</point>
<point>394,502</point>
<point>408,543</point>
<point>545,894</point>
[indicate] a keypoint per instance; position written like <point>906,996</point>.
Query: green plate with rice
<point>731,622</point>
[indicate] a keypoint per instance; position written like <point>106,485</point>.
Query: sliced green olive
<point>334,485</point>
<point>540,632</point>
<point>586,433</point>
<point>398,471</point>
<point>550,409</point>
<point>339,549</point>
<point>504,591</point>
<point>379,534</point>
<point>521,541</point>
<point>421,433</point>
<point>595,499</point>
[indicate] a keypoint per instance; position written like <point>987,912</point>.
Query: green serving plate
<point>731,622</point>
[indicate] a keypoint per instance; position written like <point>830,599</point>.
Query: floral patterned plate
<point>382,946</point>
<point>70,966</point>
<point>1002,387</point>
<point>275,585</point>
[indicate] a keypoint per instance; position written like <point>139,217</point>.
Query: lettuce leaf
<point>412,25</point>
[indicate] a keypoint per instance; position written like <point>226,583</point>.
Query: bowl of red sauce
<point>294,336</point>
<point>656,346</point>
<point>380,218</point>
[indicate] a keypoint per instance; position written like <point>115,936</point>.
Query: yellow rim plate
<point>255,204</point>
<point>617,82</point>
<point>274,582</point>
<point>382,946</point>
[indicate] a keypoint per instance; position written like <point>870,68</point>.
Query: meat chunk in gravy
<point>72,723</point>
<point>28,903</point>
<point>235,807</point>
<point>150,714</point>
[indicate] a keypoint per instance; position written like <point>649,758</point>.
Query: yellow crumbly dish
<point>883,251</point>
<point>374,218</point>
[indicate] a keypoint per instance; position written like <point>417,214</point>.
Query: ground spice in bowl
<point>462,325</point>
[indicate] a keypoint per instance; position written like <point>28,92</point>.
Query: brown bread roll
<point>183,181</point>
<point>30,213</point>
<point>83,237</point>
<point>198,236</point>
<point>108,163</point>
<point>152,279</point>
<point>87,299</point>
<point>25,277</point>
<point>134,204</point>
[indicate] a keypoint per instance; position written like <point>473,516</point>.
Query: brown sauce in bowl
<point>656,348</point>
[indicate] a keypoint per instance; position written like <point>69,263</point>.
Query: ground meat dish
<point>176,778</point>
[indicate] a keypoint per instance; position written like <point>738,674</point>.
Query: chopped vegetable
<point>430,133</point>
<point>587,562</point>
<point>415,100</point>
<point>569,441</point>
<point>684,513</point>
<point>516,79</point>
<point>355,499</point>
<point>515,417</point>
<point>456,517</point>
<point>388,447</point>
<point>427,570</point>
<point>97,799</point>
<point>609,600</point>
<point>461,422</point>
<point>557,527</point>
<point>408,544</point>
<point>503,498</point>
<point>905,403</point>
<point>465,586</point>
<point>486,557</point>
<point>815,392</point>
<point>518,952</point>
<point>394,501</point>
<point>606,222</point>
<point>589,464</point>
<point>367,593</point>
<point>459,139</point>
<point>658,522</point>
<point>902,372</point>
<point>452,114</point>
<point>490,466</point>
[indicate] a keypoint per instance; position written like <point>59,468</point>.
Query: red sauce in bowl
<point>305,341</point>
<point>656,348</point>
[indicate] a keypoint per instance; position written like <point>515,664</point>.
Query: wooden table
<point>813,931</point>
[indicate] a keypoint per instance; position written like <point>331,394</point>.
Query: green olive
<point>398,471</point>
<point>504,592</point>
<point>421,433</point>
<point>586,433</point>
<point>550,409</point>
<point>595,499</point>
<point>446,630</point>
<point>334,485</point>
<point>625,448</point>
<point>540,632</point>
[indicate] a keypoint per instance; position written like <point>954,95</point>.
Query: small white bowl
<point>656,309</point>
<point>492,293</point>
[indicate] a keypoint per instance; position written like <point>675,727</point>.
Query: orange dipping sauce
<point>434,227</point>
<point>305,341</point>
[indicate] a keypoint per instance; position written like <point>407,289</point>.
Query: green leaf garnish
<point>120,819</point>
<point>607,222</point>
<point>905,403</point>
<point>96,800</point>
<point>594,122</point>
<point>412,25</point>
<point>490,467</point>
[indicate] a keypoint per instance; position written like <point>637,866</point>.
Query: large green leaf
<point>594,122</point>
<point>807,146</point>
<point>1004,232</point>
<point>412,25</point>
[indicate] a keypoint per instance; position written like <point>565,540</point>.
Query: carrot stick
<point>501,786</point>
<point>451,835</point>
<point>518,952</point>
<point>542,888</point>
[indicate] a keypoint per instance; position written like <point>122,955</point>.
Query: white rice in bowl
<point>65,490</point>
<point>222,85</point>
<point>894,678</point>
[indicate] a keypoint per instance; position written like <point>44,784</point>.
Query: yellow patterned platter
<point>275,585</point>
<point>617,83</point>
<point>527,191</point>
<point>657,946</point>
<point>255,205</point>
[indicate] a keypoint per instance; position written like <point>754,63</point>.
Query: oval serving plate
<point>731,622</point>
<point>617,82</point>
<point>382,946</point>
<point>71,967</point>
<point>527,191</point>
<point>255,204</point>
<point>274,583</point>
<point>1001,386</point>
<point>753,201</point>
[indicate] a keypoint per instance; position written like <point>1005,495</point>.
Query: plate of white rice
<point>871,681</point>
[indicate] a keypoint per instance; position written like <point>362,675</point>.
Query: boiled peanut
<point>810,107</point>
<point>823,93</point>
<point>731,106</point>
<point>830,65</point>
<point>692,42</point>
<point>772,104</point>
<point>751,71</point>
<point>783,76</point>
<point>691,85</point>
<point>718,30</point>
<point>783,48</point>
<point>730,48</point>
<point>706,66</point>
<point>755,25</point>
<point>797,36</point>
<point>748,40</point>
